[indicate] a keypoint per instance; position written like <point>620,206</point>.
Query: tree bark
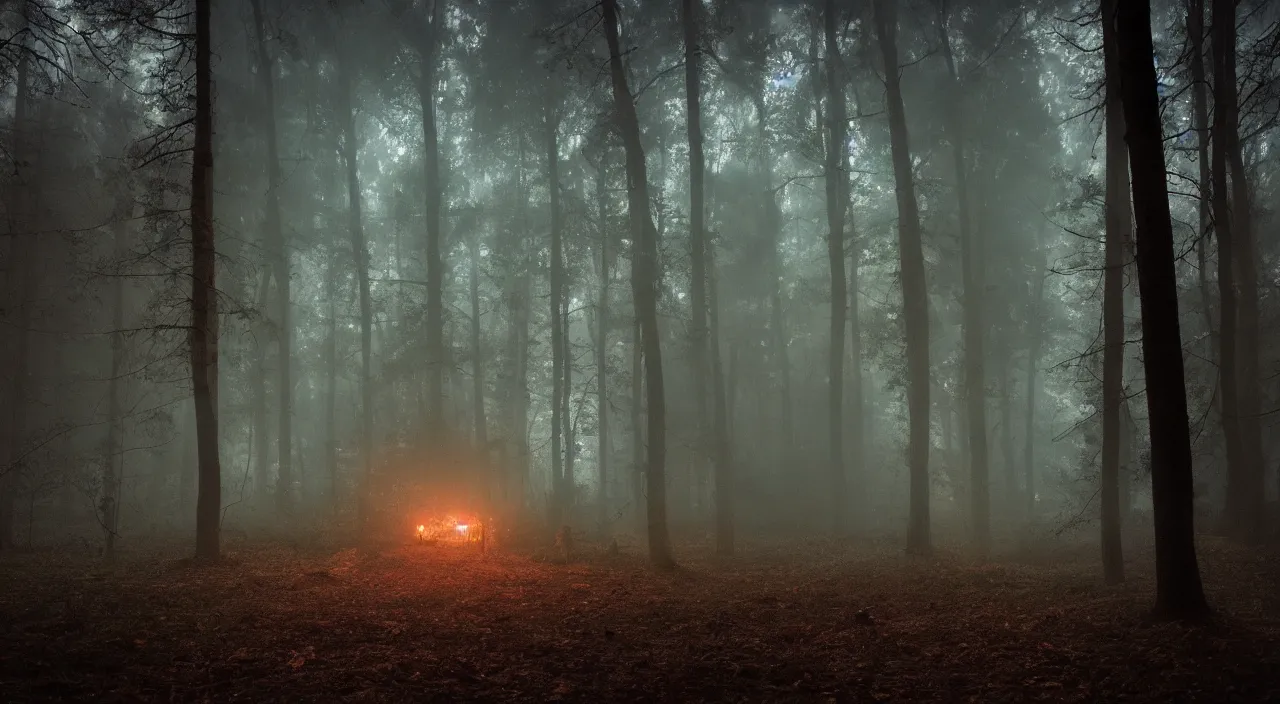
<point>644,279</point>
<point>698,261</point>
<point>558,508</point>
<point>1006,439</point>
<point>1200,116</point>
<point>1117,234</point>
<point>113,461</point>
<point>428,44</point>
<point>1225,229</point>
<point>360,261</point>
<point>261,438</point>
<point>837,187</point>
<point>724,474</point>
<point>602,349</point>
<point>331,388</point>
<point>1033,361</point>
<point>915,301</point>
<point>1179,593</point>
<point>204,300</point>
<point>22,245</point>
<point>477,361</point>
<point>1246,490</point>
<point>280,265</point>
<point>637,423</point>
<point>973,280</point>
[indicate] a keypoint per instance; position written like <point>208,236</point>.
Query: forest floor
<point>815,621</point>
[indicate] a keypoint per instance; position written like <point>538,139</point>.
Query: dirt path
<point>812,622</point>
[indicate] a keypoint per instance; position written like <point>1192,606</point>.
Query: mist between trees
<point>938,270</point>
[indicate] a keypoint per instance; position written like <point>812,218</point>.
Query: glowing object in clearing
<point>462,528</point>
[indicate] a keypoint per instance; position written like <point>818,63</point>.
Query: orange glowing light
<point>421,528</point>
<point>462,528</point>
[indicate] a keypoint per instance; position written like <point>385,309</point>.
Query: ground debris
<point>447,623</point>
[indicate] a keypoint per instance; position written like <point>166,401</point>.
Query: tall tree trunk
<point>1246,490</point>
<point>360,261</point>
<point>1226,229</point>
<point>113,462</point>
<point>602,350</point>
<point>1033,361</point>
<point>428,43</point>
<point>566,415</point>
<point>518,335</point>
<point>637,423</point>
<point>280,264</point>
<point>915,295</point>
<point>559,394</point>
<point>22,244</point>
<point>644,288</point>
<point>204,301</point>
<point>477,361</point>
<point>772,223</point>
<point>724,475</point>
<point>1200,116</point>
<point>1006,439</point>
<point>331,388</point>
<point>1179,593</point>
<point>1117,235</point>
<point>698,247</point>
<point>837,186</point>
<point>261,438</point>
<point>973,278</point>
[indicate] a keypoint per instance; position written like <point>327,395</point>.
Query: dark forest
<point>622,350</point>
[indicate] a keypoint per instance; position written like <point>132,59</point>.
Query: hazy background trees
<point>424,214</point>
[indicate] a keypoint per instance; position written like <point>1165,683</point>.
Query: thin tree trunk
<point>1225,229</point>
<point>558,507</point>
<point>644,288</point>
<point>113,462</point>
<point>22,245</point>
<point>973,279</point>
<point>1246,481</point>
<point>566,416</point>
<point>1006,439</point>
<point>837,187</point>
<point>1033,361</point>
<point>477,361</point>
<point>724,474</point>
<point>855,403</point>
<point>1179,593</point>
<point>261,438</point>
<point>698,249</point>
<point>360,261</point>
<point>602,349</point>
<point>1200,115</point>
<point>1113,333</point>
<point>519,338</point>
<point>204,301</point>
<point>280,264</point>
<point>428,43</point>
<point>772,219</point>
<point>915,301</point>
<point>331,388</point>
<point>637,423</point>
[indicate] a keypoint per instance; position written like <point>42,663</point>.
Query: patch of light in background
<point>400,150</point>
<point>785,79</point>
<point>1164,80</point>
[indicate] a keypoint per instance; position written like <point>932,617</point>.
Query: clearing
<point>803,621</point>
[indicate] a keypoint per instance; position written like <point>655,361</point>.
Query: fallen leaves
<point>436,622</point>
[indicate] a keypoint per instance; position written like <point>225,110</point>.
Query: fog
<point>680,277</point>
